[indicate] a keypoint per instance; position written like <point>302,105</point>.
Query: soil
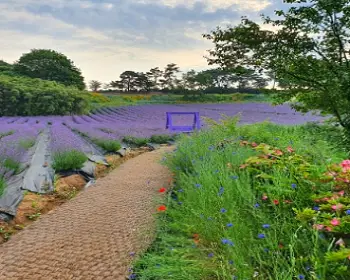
<point>94,235</point>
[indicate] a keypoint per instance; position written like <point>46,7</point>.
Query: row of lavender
<point>106,126</point>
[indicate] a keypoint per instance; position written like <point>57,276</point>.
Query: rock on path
<point>91,236</point>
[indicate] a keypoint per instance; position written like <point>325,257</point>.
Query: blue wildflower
<point>180,203</point>
<point>276,139</point>
<point>294,186</point>
<point>256,205</point>
<point>229,225</point>
<point>227,241</point>
<point>235,177</point>
<point>198,185</point>
<point>210,255</point>
<point>216,171</point>
<point>261,236</point>
<point>266,250</point>
<point>347,212</point>
<point>210,218</point>
<point>230,262</point>
<point>180,190</point>
<point>308,268</point>
<point>317,208</point>
<point>132,276</point>
<point>211,148</point>
<point>266,226</point>
<point>300,276</point>
<point>132,254</point>
<point>221,191</point>
<point>223,210</point>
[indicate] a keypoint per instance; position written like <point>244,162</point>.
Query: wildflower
<point>266,250</point>
<point>290,149</point>
<point>294,186</point>
<point>256,205</point>
<point>276,202</point>
<point>223,210</point>
<point>335,222</point>
<point>264,197</point>
<point>347,212</point>
<point>301,276</point>
<point>132,276</point>
<point>221,191</point>
<point>161,208</point>
<point>278,152</point>
<point>340,242</point>
<point>230,262</point>
<point>211,148</point>
<point>229,225</point>
<point>234,177</point>
<point>198,185</point>
<point>180,190</point>
<point>266,226</point>
<point>345,165</point>
<point>328,229</point>
<point>210,255</point>
<point>337,207</point>
<point>254,144</point>
<point>180,203</point>
<point>261,236</point>
<point>317,208</point>
<point>318,227</point>
<point>162,190</point>
<point>132,254</point>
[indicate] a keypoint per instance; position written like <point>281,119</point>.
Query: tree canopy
<point>308,51</point>
<point>49,65</point>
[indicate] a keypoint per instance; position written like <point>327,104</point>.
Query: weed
<point>69,160</point>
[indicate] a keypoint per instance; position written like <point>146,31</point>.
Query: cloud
<point>106,37</point>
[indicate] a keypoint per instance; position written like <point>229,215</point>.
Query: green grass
<point>2,186</point>
<point>205,185</point>
<point>110,146</point>
<point>27,143</point>
<point>69,160</point>
<point>12,165</point>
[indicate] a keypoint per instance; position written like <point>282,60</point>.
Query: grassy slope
<point>218,204</point>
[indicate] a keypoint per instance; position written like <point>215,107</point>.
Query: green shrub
<point>12,164</point>
<point>108,145</point>
<point>161,139</point>
<point>69,160</point>
<point>229,188</point>
<point>2,186</point>
<point>137,141</point>
<point>25,96</point>
<point>27,143</point>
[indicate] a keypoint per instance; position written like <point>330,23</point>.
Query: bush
<point>139,142</point>
<point>12,165</point>
<point>25,97</point>
<point>2,185</point>
<point>69,160</point>
<point>161,139</point>
<point>110,146</point>
<point>242,206</point>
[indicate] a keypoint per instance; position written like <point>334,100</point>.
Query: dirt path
<point>91,236</point>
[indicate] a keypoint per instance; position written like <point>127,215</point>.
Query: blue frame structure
<point>169,122</point>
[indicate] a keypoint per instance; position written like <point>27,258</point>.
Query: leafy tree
<point>95,85</point>
<point>190,80</point>
<point>127,82</point>
<point>169,76</point>
<point>154,75</point>
<point>204,80</point>
<point>49,65</point>
<point>143,82</point>
<point>309,51</point>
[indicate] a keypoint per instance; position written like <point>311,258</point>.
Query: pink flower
<point>340,242</point>
<point>341,193</point>
<point>345,165</point>
<point>318,227</point>
<point>335,222</point>
<point>337,207</point>
<point>278,152</point>
<point>254,145</point>
<point>264,197</point>
<point>328,229</point>
<point>290,149</point>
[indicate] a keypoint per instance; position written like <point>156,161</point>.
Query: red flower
<point>276,202</point>
<point>162,190</point>
<point>290,149</point>
<point>278,152</point>
<point>161,208</point>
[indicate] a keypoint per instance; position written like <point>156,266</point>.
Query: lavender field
<point>19,136</point>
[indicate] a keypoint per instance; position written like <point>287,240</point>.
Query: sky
<point>106,37</point>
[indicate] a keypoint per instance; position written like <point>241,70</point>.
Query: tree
<point>143,82</point>
<point>154,75</point>
<point>169,75</point>
<point>127,82</point>
<point>49,65</point>
<point>189,80</point>
<point>95,85</point>
<point>309,50</point>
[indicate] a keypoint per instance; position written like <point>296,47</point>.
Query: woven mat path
<point>91,236</point>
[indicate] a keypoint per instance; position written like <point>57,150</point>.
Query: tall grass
<point>240,234</point>
<point>68,160</point>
